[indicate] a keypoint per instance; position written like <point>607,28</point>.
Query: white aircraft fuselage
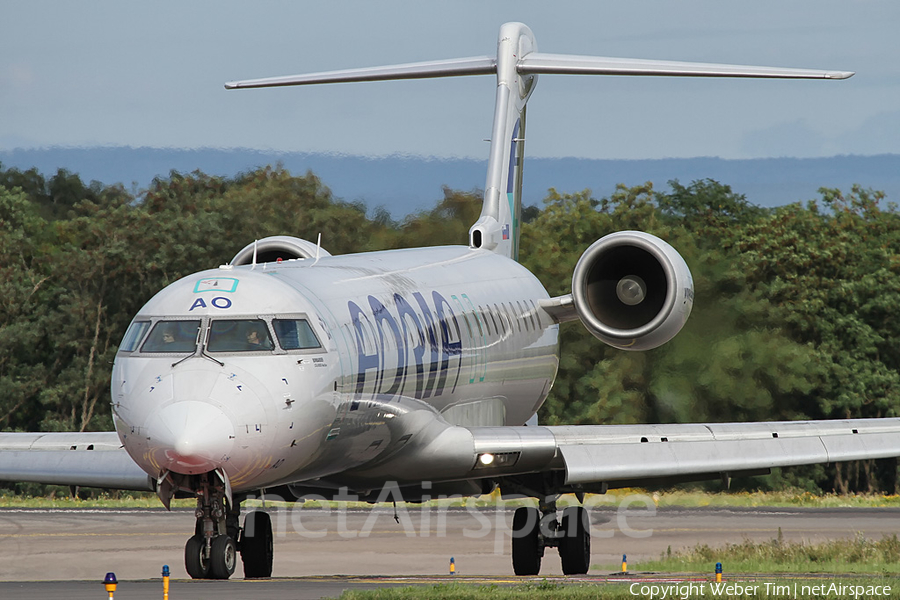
<point>452,331</point>
<point>292,369</point>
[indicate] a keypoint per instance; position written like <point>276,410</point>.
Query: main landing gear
<point>535,529</point>
<point>211,553</point>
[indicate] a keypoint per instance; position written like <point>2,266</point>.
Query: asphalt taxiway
<point>321,552</point>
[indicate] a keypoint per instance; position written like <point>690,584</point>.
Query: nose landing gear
<point>211,553</point>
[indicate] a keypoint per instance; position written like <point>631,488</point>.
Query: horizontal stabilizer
<point>479,65</point>
<point>540,63</point>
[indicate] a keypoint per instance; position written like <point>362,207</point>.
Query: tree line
<point>795,314</point>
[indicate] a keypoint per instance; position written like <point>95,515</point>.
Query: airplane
<point>289,371</point>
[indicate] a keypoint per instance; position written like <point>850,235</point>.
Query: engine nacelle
<point>632,290</point>
<point>272,248</point>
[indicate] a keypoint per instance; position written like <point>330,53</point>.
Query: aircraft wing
<point>94,459</point>
<point>625,455</point>
<point>583,456</point>
<point>599,457</point>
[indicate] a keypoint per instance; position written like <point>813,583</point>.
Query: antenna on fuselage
<point>517,65</point>
<point>253,264</point>
<point>318,248</point>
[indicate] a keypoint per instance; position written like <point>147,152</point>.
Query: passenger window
<point>239,335</point>
<point>500,318</point>
<point>134,335</point>
<point>487,324</point>
<point>469,327</point>
<point>477,320</point>
<point>518,315</point>
<point>536,315</point>
<point>364,334</point>
<point>295,334</point>
<point>386,334</point>
<point>172,336</point>
<point>414,337</point>
<point>525,316</point>
<point>529,324</point>
<point>451,328</point>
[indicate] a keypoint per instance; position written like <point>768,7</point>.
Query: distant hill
<point>405,185</point>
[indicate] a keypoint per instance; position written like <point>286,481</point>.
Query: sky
<point>127,73</point>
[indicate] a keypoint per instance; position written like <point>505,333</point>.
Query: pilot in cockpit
<point>258,338</point>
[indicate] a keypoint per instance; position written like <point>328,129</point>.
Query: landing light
<point>496,460</point>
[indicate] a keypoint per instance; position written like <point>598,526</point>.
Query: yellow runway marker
<point>165,578</point>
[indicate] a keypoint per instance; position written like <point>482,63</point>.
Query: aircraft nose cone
<point>191,437</point>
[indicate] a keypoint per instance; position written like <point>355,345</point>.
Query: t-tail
<point>517,65</point>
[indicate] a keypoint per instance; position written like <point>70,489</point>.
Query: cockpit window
<point>134,335</point>
<point>172,336</point>
<point>239,335</point>
<point>295,334</point>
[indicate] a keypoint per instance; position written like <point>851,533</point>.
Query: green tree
<point>832,278</point>
<point>727,364</point>
<point>447,223</point>
<point>25,291</point>
<point>794,315</point>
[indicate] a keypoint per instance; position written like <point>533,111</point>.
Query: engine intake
<point>272,248</point>
<point>632,290</point>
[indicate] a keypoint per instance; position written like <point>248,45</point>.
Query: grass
<point>460,591</point>
<point>99,501</point>
<point>859,555</point>
<point>612,591</point>
<point>788,498</point>
<point>687,499</point>
<point>861,564</point>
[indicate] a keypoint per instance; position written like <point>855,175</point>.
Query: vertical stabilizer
<point>497,228</point>
<point>517,66</point>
